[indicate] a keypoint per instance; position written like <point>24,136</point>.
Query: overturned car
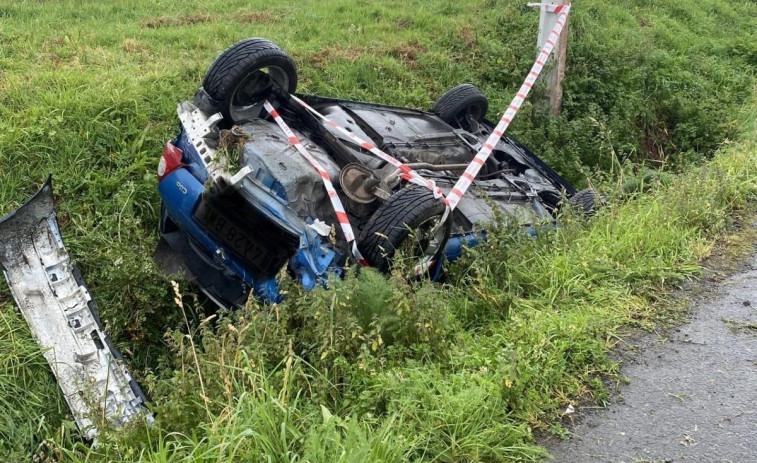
<point>260,178</point>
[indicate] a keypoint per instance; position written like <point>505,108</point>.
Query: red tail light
<point>170,161</point>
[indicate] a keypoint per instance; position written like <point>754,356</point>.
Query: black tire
<point>586,201</point>
<point>244,75</point>
<point>407,212</point>
<point>460,104</point>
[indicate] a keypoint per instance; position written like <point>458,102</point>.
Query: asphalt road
<point>692,395</point>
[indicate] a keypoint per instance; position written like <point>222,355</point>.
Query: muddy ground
<point>692,391</point>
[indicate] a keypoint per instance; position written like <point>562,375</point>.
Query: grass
<point>27,386</point>
<point>375,368</point>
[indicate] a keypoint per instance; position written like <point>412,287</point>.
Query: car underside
<point>241,200</point>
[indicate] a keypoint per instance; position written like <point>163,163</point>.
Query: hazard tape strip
<point>406,172</point>
<point>341,215</point>
<point>465,181</point>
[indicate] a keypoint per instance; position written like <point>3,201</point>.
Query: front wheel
<point>409,221</point>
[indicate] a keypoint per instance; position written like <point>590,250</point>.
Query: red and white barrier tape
<point>556,8</point>
<point>341,215</point>
<point>474,167</point>
<point>466,180</point>
<point>406,172</point>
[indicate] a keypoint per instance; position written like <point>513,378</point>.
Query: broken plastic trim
<point>63,318</point>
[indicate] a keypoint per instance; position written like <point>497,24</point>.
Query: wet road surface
<point>692,397</point>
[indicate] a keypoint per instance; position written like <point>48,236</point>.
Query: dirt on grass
<point>173,21</point>
<point>408,53</point>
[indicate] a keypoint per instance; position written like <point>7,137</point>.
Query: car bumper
<point>62,316</point>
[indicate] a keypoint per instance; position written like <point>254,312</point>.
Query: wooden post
<point>556,75</point>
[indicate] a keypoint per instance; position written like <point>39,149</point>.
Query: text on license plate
<point>234,237</point>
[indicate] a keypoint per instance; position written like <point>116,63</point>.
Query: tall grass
<point>374,368</point>
<point>29,396</point>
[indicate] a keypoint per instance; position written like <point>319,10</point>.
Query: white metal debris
<point>63,318</point>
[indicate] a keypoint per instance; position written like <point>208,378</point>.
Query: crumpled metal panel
<point>270,150</point>
<point>63,318</point>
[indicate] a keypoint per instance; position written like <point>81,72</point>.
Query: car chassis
<point>241,199</point>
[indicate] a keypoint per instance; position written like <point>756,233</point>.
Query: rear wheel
<point>409,221</point>
<point>586,201</point>
<point>462,107</point>
<point>244,75</point>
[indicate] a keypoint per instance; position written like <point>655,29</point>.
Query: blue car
<point>260,179</point>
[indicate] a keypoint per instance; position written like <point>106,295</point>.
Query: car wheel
<point>410,221</point>
<point>586,201</point>
<point>243,76</point>
<point>462,107</point>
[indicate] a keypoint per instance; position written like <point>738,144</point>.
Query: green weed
<point>373,368</point>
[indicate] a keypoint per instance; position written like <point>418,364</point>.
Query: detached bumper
<point>63,318</point>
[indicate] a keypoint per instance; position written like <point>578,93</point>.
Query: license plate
<point>235,237</point>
